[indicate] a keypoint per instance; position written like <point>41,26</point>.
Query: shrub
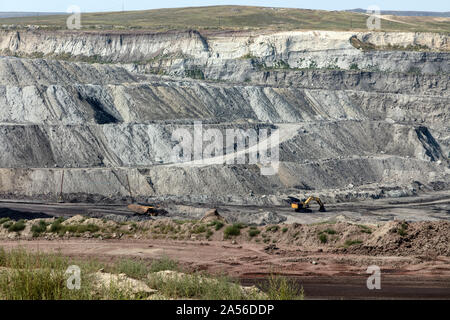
<point>402,230</point>
<point>217,224</point>
<point>56,226</point>
<point>3,220</point>
<point>39,228</point>
<point>284,230</point>
<point>329,231</point>
<point>7,224</point>
<point>233,230</point>
<point>272,228</point>
<point>253,232</point>
<point>354,66</point>
<point>323,238</point>
<point>17,227</point>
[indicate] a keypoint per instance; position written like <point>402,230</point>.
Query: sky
<point>118,5</point>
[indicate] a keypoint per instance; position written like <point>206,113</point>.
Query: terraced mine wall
<point>90,116</point>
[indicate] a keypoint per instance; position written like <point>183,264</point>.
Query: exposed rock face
<point>376,120</point>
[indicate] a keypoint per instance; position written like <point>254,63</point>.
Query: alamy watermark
<point>74,280</point>
<point>374,20</point>
<point>374,280</point>
<point>239,146</point>
<point>74,20</point>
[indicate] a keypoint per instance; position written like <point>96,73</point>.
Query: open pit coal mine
<point>90,116</point>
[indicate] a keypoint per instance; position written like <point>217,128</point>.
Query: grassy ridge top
<point>237,18</point>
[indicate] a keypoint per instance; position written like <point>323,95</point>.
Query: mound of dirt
<point>212,215</point>
<point>402,238</point>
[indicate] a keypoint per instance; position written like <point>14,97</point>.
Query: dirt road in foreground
<point>323,275</point>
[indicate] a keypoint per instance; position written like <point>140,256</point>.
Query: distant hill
<point>27,14</point>
<point>220,18</point>
<point>408,13</point>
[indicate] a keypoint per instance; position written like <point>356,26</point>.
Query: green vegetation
<point>196,286</point>
<point>329,231</point>
<point>253,232</point>
<point>349,243</point>
<point>367,46</point>
<point>285,229</point>
<point>164,264</point>
<point>39,228</point>
<point>16,227</point>
<point>39,276</point>
<point>58,227</point>
<point>199,229</point>
<point>354,66</point>
<point>282,288</point>
<point>3,220</point>
<point>248,56</point>
<point>233,230</point>
<point>7,224</point>
<point>272,228</point>
<point>234,18</point>
<point>280,64</point>
<point>365,229</point>
<point>402,230</point>
<point>133,269</point>
<point>323,238</point>
<point>216,224</point>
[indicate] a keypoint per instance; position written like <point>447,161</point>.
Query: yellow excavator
<point>303,205</point>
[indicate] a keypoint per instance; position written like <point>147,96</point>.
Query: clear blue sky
<point>116,5</point>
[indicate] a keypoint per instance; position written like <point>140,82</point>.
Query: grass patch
<point>198,286</point>
<point>164,264</point>
<point>365,229</point>
<point>282,288</point>
<point>41,276</point>
<point>132,268</point>
<point>199,229</point>
<point>58,227</point>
